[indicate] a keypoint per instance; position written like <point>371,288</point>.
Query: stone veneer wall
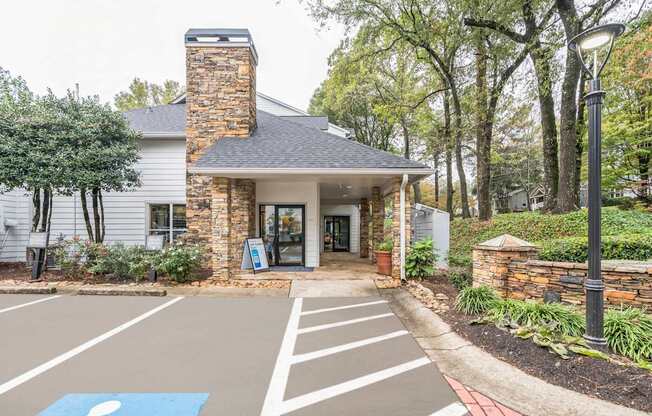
<point>517,273</point>
<point>221,102</point>
<point>364,228</point>
<point>396,225</point>
<point>377,219</point>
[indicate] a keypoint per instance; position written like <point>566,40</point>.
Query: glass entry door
<point>282,230</point>
<point>337,230</point>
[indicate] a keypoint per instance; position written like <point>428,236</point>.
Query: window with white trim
<point>168,220</point>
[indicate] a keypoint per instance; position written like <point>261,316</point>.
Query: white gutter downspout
<point>402,227</point>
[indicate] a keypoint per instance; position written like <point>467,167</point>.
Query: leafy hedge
<point>615,247</point>
<point>539,228</point>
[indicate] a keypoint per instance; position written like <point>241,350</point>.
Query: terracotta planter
<point>384,262</point>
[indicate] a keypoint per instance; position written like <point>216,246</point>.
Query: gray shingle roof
<point>281,143</point>
<point>159,119</point>
<point>317,122</point>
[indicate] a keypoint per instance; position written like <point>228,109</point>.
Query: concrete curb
<point>118,291</point>
<point>26,290</point>
<point>228,292</point>
<point>470,365</point>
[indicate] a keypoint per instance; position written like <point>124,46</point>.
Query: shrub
<point>179,261</point>
<point>621,247</point>
<point>123,262</point>
<point>420,262</point>
<point>629,332</point>
<point>386,245</point>
<point>559,318</point>
<point>76,256</point>
<point>536,227</point>
<point>460,278</point>
<point>475,300</point>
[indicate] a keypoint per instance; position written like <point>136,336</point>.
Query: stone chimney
<point>220,102</point>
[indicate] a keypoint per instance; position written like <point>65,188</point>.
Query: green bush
<point>621,247</point>
<point>559,318</point>
<point>460,277</point>
<point>537,228</point>
<point>179,261</point>
<point>629,332</point>
<point>386,245</point>
<point>75,257</point>
<point>420,262</point>
<point>475,300</point>
<point>122,262</point>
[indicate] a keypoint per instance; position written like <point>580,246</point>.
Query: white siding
<point>15,205</point>
<point>269,106</point>
<point>351,211</point>
<point>299,193</point>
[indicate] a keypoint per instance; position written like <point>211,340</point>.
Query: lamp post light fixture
<point>594,42</point>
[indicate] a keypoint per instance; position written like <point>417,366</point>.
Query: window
<point>168,220</point>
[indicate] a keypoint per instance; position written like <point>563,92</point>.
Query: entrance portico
<point>289,212</point>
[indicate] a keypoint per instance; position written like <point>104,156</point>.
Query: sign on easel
<point>254,255</point>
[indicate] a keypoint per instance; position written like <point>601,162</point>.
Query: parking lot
<point>100,355</point>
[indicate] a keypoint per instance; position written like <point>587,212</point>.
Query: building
<point>224,163</point>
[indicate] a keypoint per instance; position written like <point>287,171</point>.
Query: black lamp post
<point>596,42</point>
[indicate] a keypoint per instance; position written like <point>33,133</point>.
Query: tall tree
<point>432,28</point>
<point>144,94</point>
<point>505,18</point>
<point>106,151</point>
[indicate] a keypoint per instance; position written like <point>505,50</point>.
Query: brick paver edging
<point>477,403</point>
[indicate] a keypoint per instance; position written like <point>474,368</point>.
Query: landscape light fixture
<point>594,42</point>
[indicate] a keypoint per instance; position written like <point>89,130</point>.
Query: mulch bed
<point>627,386</point>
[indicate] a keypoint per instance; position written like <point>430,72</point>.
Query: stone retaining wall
<point>515,272</point>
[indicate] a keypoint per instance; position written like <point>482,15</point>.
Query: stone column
<point>493,261</point>
<point>221,227</point>
<point>396,225</point>
<point>377,219</point>
<point>242,219</point>
<point>364,228</point>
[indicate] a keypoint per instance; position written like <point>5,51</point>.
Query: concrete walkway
<point>471,366</point>
<point>329,288</point>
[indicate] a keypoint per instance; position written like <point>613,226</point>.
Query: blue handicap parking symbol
<point>128,404</point>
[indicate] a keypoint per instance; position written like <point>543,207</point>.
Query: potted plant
<point>384,257</point>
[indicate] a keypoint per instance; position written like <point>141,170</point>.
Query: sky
<point>103,45</point>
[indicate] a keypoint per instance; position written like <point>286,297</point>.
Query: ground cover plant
<point>559,327</point>
<point>539,228</point>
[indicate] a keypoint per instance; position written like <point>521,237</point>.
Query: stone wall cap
<point>506,242</point>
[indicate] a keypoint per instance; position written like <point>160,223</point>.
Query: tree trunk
<point>96,215</point>
<point>579,146</point>
<point>45,210</point>
<point>541,59</point>
<point>568,112</point>
<point>483,149</point>
<point>87,218</point>
<point>103,227</point>
<point>406,141</point>
<point>459,161</point>
<point>449,156</point>
<point>36,204</point>
<point>436,159</point>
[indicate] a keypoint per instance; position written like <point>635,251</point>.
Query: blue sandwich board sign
<point>254,255</point>
<point>128,404</point>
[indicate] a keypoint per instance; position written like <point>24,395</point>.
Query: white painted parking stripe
<point>17,381</point>
<point>348,386</point>
<point>343,323</point>
<point>345,347</point>
<point>337,308</point>
<point>278,383</point>
<point>453,409</point>
<point>22,305</point>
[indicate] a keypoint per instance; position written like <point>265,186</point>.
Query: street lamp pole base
<point>597,343</point>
